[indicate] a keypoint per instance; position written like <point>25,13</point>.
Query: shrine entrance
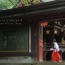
<point>54,30</point>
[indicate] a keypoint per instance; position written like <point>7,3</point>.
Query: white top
<point>56,46</point>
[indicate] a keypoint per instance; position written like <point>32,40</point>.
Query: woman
<point>55,54</point>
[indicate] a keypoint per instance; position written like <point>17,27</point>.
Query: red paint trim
<point>40,47</point>
<point>44,23</point>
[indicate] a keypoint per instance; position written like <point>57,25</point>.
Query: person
<point>55,56</point>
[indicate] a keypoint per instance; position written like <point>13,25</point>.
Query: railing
<point>48,46</point>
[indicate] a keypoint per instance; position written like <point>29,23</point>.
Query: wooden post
<point>40,44</point>
<point>40,40</point>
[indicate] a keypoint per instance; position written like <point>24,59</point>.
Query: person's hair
<point>54,40</point>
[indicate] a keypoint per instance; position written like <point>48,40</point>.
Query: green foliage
<point>9,4</point>
<point>30,2</point>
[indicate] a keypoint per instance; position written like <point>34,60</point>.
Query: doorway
<point>54,30</point>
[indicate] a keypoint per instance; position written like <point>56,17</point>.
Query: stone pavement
<point>26,60</point>
<point>37,63</point>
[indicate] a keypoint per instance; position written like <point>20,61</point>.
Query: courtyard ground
<point>37,63</point>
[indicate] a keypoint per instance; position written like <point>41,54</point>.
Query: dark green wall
<point>14,39</point>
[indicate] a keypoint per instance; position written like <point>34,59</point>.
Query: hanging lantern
<point>55,31</point>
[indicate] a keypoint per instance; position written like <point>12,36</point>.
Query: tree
<point>7,4</point>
